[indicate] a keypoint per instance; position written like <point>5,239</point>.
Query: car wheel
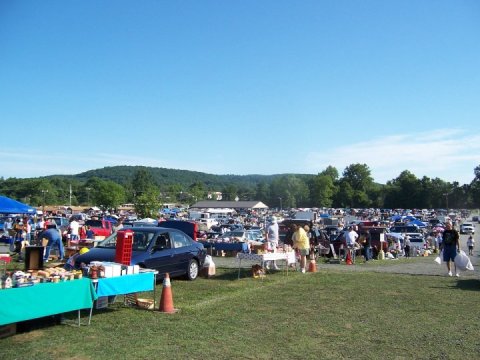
<point>192,270</point>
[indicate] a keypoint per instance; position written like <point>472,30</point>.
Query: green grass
<point>326,315</point>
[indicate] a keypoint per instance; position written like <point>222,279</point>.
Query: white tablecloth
<point>288,257</point>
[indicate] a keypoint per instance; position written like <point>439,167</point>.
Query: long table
<point>126,284</point>
<point>32,302</point>
<point>287,257</point>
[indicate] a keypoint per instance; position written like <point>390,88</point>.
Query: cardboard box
<point>101,302</point>
<point>112,269</point>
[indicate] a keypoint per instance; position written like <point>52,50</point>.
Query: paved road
<point>414,265</point>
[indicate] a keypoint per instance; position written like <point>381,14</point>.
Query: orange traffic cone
<point>348,260</point>
<point>166,300</point>
<point>312,266</point>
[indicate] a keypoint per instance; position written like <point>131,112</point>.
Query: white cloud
<point>449,154</point>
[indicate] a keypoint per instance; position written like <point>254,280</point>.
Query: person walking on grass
<point>406,246</point>
<point>470,244</point>
<point>450,246</point>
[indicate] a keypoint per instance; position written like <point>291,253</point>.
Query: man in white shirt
<point>272,239</point>
<point>74,227</point>
<point>351,237</point>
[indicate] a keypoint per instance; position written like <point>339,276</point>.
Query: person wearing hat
<point>272,240</point>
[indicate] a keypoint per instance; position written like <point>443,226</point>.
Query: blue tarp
<point>10,206</point>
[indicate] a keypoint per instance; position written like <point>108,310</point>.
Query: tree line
<point>149,188</point>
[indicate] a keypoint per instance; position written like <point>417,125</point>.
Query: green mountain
<point>124,175</point>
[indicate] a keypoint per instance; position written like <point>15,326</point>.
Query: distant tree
<point>262,192</point>
<point>331,171</point>
<point>360,182</point>
<point>293,191</point>
<point>322,190</point>
<point>344,196</point>
<point>358,176</point>
<point>408,190</point>
<point>143,181</point>
<point>147,204</point>
<point>108,194</point>
<point>230,192</point>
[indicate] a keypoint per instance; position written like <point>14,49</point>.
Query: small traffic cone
<point>312,266</point>
<point>166,300</point>
<point>348,260</point>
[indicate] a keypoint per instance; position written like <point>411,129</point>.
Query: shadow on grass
<point>230,274</point>
<point>469,284</point>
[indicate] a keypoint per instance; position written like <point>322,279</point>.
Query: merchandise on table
<point>22,279</point>
<point>99,269</point>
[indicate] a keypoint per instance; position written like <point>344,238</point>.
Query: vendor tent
<point>10,206</point>
<point>418,223</point>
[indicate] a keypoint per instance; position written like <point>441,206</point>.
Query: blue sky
<point>240,87</point>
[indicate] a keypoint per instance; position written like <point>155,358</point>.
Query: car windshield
<point>141,240</point>
<point>94,223</point>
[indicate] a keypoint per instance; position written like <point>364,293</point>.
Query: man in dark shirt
<point>450,246</point>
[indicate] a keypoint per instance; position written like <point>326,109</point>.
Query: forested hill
<point>124,175</point>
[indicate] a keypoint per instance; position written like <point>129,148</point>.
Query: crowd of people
<point>25,231</point>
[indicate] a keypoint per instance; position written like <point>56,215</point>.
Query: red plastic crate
<point>123,251</point>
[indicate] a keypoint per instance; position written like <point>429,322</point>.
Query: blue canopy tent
<point>418,223</point>
<point>396,217</point>
<point>10,206</point>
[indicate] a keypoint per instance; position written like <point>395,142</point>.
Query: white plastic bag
<point>438,259</point>
<point>208,261</point>
<point>462,261</point>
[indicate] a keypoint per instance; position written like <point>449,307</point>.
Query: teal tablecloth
<point>20,304</point>
<point>126,284</point>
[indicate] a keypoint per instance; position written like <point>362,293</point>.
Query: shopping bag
<point>462,261</point>
<point>208,260</point>
<point>438,260</point>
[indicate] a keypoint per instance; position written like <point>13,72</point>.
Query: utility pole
<point>43,206</point>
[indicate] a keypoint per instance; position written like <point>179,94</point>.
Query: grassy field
<point>324,315</point>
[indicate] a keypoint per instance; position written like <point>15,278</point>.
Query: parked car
<point>467,228</point>
<point>100,227</point>
<point>417,237</point>
<point>163,249</point>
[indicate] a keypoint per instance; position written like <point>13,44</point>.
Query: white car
<point>467,228</point>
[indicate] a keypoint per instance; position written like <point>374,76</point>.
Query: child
<point>470,244</point>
